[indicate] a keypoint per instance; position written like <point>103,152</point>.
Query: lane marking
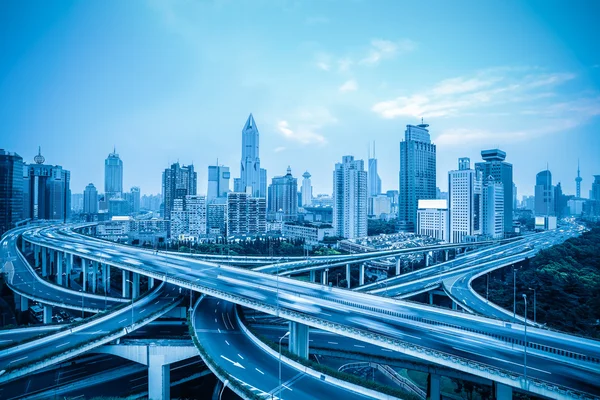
<point>227,342</point>
<point>18,359</point>
<point>332,342</point>
<point>240,356</point>
<point>358,345</point>
<point>259,371</point>
<point>125,319</point>
<point>285,386</point>
<point>61,345</point>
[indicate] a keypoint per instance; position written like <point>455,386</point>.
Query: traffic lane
<point>167,294</point>
<point>67,373</point>
<point>256,369</point>
<point>11,336</point>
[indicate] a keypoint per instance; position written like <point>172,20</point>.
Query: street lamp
<point>280,339</point>
<point>525,361</point>
<point>130,281</point>
<point>514,294</point>
<point>487,287</point>
<point>534,305</point>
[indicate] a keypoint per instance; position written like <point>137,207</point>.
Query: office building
<point>151,202</point>
<point>464,193</point>
<point>188,218</point>
<point>283,198</point>
<point>118,207</point>
<point>373,180</point>
<point>528,203</point>
<point>306,190</point>
<point>595,192</point>
<point>11,190</point>
<point>493,209</point>
<point>309,233</point>
<point>379,206</point>
<point>135,199</point>
<point>350,198</point>
<point>393,196</point>
<point>76,203</point>
<point>218,183</point>
<point>253,178</point>
<point>417,174</point>
<point>113,176</point>
<point>46,191</point>
<point>323,214</point>
<point>246,215</point>
<point>216,219</point>
<point>177,182</point>
<point>432,219</point>
<point>495,166</point>
<point>90,199</point>
<point>544,194</point>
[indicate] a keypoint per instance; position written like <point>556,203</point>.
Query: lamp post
<point>130,281</point>
<point>534,305</point>
<point>525,360</point>
<point>487,287</point>
<point>514,294</point>
<point>280,339</point>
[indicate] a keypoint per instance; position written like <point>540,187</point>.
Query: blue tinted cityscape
<point>277,199</point>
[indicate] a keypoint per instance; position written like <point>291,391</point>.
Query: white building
<point>432,219</point>
<point>379,205</point>
<point>311,234</point>
<point>493,208</point>
<point>464,194</point>
<point>306,189</point>
<point>350,198</point>
<point>188,217</point>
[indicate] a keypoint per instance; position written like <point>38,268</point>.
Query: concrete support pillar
<point>398,266</point>
<point>454,305</point>
<point>17,298</point>
<point>311,276</point>
<point>104,277</point>
<point>52,269</point>
<point>126,291</point>
<point>348,276</point>
<point>94,276</point>
<point>23,245</point>
<point>36,255</point>
<point>446,255</point>
<point>503,392</point>
<point>47,314</point>
<point>69,269</point>
<point>136,285</point>
<point>24,303</point>
<point>361,275</point>
<point>59,267</point>
<point>108,279</point>
<point>44,261</point>
<point>150,283</point>
<point>426,256</point>
<point>159,378</point>
<point>324,277</point>
<point>430,298</point>
<point>433,387</point>
<point>84,272</point>
<point>298,343</point>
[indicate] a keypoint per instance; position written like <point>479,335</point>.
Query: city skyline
<point>366,86</point>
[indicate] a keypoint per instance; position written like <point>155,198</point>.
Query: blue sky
<point>175,80</point>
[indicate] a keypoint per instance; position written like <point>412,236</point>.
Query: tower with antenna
<point>578,182</point>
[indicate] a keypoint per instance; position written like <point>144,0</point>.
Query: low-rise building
<point>310,233</point>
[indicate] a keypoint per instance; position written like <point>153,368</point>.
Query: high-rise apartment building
<point>495,166</point>
<point>188,217</point>
<point>216,219</point>
<point>306,190</point>
<point>464,193</point>
<point>253,178</point>
<point>135,199</point>
<point>46,191</point>
<point>218,183</point>
<point>245,214</point>
<point>283,198</point>
<point>493,208</point>
<point>113,176</point>
<point>350,198</point>
<point>151,202</point>
<point>177,182</point>
<point>11,190</point>
<point>544,194</point>
<point>432,219</point>
<point>90,199</point>
<point>417,173</point>
<point>595,192</point>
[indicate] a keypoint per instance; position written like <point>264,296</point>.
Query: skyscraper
<point>177,182</point>
<point>417,173</point>
<point>113,176</point>
<point>595,192</point>
<point>306,190</point>
<point>464,192</point>
<point>11,189</point>
<point>578,183</point>
<point>188,217</point>
<point>283,197</point>
<point>253,179</point>
<point>373,180</point>
<point>495,166</point>
<point>218,183</point>
<point>350,198</point>
<point>493,208</point>
<point>90,199</point>
<point>134,194</point>
<point>544,194</point>
<point>46,191</point>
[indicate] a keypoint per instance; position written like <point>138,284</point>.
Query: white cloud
<point>461,85</point>
<point>323,61</point>
<point>279,149</point>
<point>305,126</point>
<point>349,86</point>
<point>382,49</point>
<point>344,64</point>
<point>301,135</point>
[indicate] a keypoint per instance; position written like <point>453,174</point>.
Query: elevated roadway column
<point>324,277</point>
<point>361,275</point>
<point>69,269</point>
<point>104,277</point>
<point>59,267</point>
<point>84,271</point>
<point>433,387</point>
<point>136,285</point>
<point>94,275</point>
<point>159,378</point>
<point>125,278</point>
<point>150,282</point>
<point>36,255</point>
<point>24,303</point>
<point>446,255</point>
<point>311,276</point>
<point>502,392</point>
<point>348,275</point>
<point>23,245</point>
<point>398,265</point>
<point>47,314</point>
<point>426,256</point>
<point>298,343</point>
<point>44,255</point>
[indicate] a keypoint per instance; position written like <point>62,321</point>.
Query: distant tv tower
<point>578,182</point>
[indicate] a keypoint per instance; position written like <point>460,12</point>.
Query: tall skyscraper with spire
<point>253,178</point>
<point>374,182</point>
<point>113,176</point>
<point>578,183</point>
